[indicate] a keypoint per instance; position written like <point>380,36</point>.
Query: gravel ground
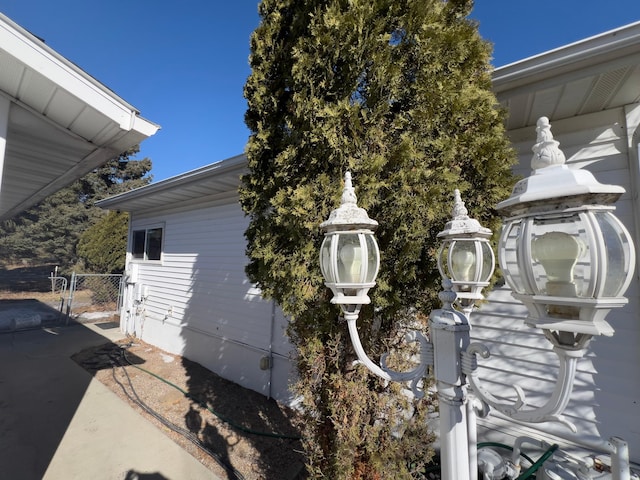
<point>248,437</point>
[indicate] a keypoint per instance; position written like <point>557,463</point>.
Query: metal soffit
<point>216,179</point>
<point>61,122</point>
<point>595,74</point>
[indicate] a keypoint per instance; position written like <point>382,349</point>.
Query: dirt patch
<point>235,432</point>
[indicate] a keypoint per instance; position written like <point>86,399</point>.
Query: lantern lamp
<point>349,255</point>
<point>562,250</point>
<point>563,254</point>
<point>465,256</point>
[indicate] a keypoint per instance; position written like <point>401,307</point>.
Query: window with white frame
<point>146,244</point>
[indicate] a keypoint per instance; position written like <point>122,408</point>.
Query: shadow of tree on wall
<point>521,355</point>
<point>225,327</point>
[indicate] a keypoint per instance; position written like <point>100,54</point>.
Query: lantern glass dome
<point>562,251</point>
<point>580,255</point>
<point>349,262</point>
<point>466,260</point>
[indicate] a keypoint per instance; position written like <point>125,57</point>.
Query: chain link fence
<point>29,299</point>
<point>94,297</point>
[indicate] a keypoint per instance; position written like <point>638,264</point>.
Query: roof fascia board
<point>612,49</point>
<point>39,57</point>
<point>144,126</point>
<point>238,163</point>
<point>5,107</point>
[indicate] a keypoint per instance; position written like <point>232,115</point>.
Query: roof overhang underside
<point>60,123</point>
<point>210,181</point>
<point>595,74</point>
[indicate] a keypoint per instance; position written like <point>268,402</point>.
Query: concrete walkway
<point>58,422</point>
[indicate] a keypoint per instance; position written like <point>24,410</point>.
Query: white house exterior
<point>192,297</point>
<point>188,293</point>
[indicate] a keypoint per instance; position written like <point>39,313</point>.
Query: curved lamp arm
<point>414,376</point>
<point>551,411</point>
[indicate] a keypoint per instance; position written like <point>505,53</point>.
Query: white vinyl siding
<point>606,398</point>
<point>200,303</point>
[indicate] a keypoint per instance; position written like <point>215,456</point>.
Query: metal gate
<point>94,296</point>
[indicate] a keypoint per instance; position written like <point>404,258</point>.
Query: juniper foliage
<point>399,93</point>
<point>103,246</point>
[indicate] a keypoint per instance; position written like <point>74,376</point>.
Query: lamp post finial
<point>348,194</point>
<point>546,151</point>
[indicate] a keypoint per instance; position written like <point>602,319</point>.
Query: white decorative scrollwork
<point>550,411</point>
<point>414,376</point>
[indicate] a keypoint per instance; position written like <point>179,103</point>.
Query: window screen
<point>138,244</point>
<point>154,244</point>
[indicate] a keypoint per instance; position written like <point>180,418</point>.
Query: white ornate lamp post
<point>563,253</point>
<point>349,260</point>
<point>349,254</point>
<point>350,272</point>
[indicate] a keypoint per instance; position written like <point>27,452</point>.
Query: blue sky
<point>184,64</point>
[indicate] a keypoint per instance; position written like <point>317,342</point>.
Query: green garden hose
<point>535,466</point>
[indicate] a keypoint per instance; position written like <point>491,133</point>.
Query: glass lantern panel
<point>325,259</point>
<point>373,258</point>
<point>350,258</point>
<point>560,255</point>
<point>618,250</point>
<point>443,258</point>
<point>487,262</point>
<point>509,244</point>
<point>462,255</point>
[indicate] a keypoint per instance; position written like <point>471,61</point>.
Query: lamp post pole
<point>450,336</point>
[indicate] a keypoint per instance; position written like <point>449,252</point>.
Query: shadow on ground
<point>26,279</point>
<point>41,389</point>
<point>26,299</point>
<point>28,313</point>
<point>261,422</point>
<point>133,475</point>
<point>212,416</point>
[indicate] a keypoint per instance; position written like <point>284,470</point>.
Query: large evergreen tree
<point>49,232</point>
<point>103,246</point>
<point>397,92</point>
